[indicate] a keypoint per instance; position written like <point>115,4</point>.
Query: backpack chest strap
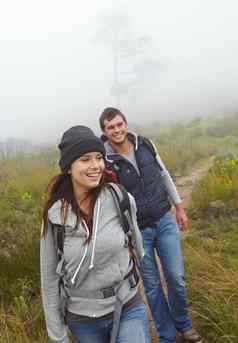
<point>128,283</point>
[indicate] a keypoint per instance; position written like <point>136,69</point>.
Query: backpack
<point>122,201</point>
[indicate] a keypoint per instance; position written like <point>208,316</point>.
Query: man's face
<point>116,130</point>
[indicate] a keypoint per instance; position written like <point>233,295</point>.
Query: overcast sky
<point>55,70</point>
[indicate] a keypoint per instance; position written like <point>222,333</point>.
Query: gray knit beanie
<point>75,142</point>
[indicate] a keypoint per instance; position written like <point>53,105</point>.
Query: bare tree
<point>131,65</point>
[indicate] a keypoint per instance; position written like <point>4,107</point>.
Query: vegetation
<point>184,144</point>
<point>212,284</point>
<point>211,253</point>
<point>22,193</point>
<point>219,189</point>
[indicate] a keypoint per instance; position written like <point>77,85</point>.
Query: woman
<point>86,283</point>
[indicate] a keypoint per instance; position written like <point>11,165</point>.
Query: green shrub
<point>21,201</point>
<point>181,154</point>
<point>221,183</point>
<point>212,283</point>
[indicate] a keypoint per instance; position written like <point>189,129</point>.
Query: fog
<point>61,64</point>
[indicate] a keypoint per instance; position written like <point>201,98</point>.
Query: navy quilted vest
<point>147,188</point>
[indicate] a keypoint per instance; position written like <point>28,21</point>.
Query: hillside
<point>202,157</point>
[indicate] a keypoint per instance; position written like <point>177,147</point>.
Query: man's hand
<point>181,217</point>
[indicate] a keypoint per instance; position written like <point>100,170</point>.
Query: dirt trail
<point>184,186</point>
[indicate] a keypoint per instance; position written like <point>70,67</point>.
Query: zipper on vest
<point>142,183</point>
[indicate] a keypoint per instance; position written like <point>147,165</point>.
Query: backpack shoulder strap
<point>59,235</point>
<point>122,201</point>
<point>151,146</point>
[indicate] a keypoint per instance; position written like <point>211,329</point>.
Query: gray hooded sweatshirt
<point>89,268</point>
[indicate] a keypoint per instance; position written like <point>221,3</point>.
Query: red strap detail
<point>111,175</point>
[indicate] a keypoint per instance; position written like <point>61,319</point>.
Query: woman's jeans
<point>133,328</point>
<point>171,315</point>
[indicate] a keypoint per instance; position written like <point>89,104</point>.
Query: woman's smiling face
<point>86,172</point>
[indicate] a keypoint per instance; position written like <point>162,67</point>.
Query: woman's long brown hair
<point>61,188</point>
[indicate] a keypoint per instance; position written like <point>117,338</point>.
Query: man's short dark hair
<point>110,113</point>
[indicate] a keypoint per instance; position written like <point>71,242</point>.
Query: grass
<point>22,323</point>
<point>212,283</point>
<point>22,185</point>
<point>210,250</point>
<point>221,184</point>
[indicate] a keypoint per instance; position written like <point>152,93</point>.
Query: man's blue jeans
<point>169,316</point>
<point>134,327</point>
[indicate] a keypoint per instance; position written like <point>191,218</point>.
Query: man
<point>137,165</point>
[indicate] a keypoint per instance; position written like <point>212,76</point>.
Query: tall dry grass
<point>211,256</point>
<point>213,292</point>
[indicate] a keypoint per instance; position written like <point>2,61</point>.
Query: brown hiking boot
<point>191,336</point>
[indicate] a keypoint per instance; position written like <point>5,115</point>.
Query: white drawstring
<point>95,235</point>
<point>86,248</point>
<point>84,255</point>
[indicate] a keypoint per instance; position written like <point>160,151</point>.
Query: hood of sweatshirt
<point>54,215</point>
